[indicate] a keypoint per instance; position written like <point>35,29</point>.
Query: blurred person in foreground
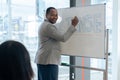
<point>14,61</point>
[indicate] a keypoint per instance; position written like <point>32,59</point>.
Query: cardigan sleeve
<point>54,33</point>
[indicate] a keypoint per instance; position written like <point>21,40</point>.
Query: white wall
<point>115,41</point>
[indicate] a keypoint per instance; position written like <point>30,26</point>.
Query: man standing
<point>49,50</point>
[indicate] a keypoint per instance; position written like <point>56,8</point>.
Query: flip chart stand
<point>105,71</point>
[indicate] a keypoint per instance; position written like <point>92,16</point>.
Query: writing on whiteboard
<point>87,23</point>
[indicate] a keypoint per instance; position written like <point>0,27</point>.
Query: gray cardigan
<point>49,49</point>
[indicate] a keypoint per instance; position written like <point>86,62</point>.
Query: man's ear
<point>46,15</point>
